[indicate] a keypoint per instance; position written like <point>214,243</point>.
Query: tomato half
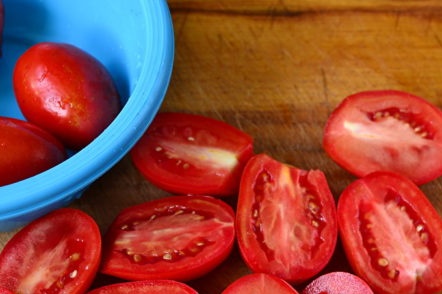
<point>257,283</point>
<point>57,253</point>
<point>286,219</point>
<point>26,150</point>
<point>392,234</point>
<point>337,283</point>
<point>192,154</point>
<point>146,287</point>
<point>177,237</point>
<point>386,130</point>
<point>66,91</point>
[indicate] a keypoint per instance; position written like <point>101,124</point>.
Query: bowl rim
<point>53,186</point>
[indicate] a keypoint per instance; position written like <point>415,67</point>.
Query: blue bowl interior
<point>134,41</point>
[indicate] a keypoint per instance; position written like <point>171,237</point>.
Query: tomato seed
<point>383,262</point>
<point>75,256</point>
<point>404,117</point>
<point>73,274</point>
<point>167,256</point>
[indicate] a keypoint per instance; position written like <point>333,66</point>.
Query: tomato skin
<point>57,253</point>
<point>26,150</point>
<point>259,283</point>
<point>176,237</point>
<point>386,130</point>
<point>192,154</point>
<point>391,233</point>
<point>337,283</point>
<point>66,91</point>
<point>146,287</point>
<point>285,220</point>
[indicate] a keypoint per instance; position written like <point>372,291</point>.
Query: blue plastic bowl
<point>134,40</point>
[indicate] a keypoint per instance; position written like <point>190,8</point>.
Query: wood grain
<point>276,69</point>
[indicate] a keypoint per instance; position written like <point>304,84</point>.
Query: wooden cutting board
<point>276,69</point>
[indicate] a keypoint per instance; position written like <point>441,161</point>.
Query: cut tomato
<point>337,283</point>
<point>392,234</point>
<point>257,283</point>
<point>178,237</point>
<point>386,130</point>
<point>192,154</point>
<point>286,219</point>
<point>57,253</point>
<point>146,287</point>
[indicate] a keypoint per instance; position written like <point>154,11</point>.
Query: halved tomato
<point>257,283</point>
<point>177,237</point>
<point>286,219</point>
<point>192,154</point>
<point>392,234</point>
<point>386,130</point>
<point>145,287</point>
<point>337,283</point>
<point>57,253</point>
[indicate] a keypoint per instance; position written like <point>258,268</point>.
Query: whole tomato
<point>26,150</point>
<point>65,90</point>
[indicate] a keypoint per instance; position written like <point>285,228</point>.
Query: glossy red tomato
<point>57,253</point>
<point>177,237</point>
<point>146,287</point>
<point>391,234</point>
<point>337,283</point>
<point>257,283</point>
<point>286,219</point>
<point>386,130</point>
<point>66,91</point>
<point>192,154</point>
<point>26,150</point>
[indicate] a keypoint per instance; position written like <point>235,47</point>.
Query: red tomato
<point>26,150</point>
<point>337,283</point>
<point>391,234</point>
<point>286,219</point>
<point>386,130</point>
<point>192,154</point>
<point>66,91</point>
<point>146,287</point>
<point>5,291</point>
<point>257,283</point>
<point>177,237</point>
<point>57,253</point>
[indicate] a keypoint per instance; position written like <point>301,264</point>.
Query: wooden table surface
<point>276,69</point>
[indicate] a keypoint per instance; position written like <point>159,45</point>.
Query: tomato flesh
<point>392,234</point>
<point>259,283</point>
<point>286,219</point>
<point>146,287</point>
<point>178,237</point>
<point>192,154</point>
<point>386,130</point>
<point>58,253</point>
